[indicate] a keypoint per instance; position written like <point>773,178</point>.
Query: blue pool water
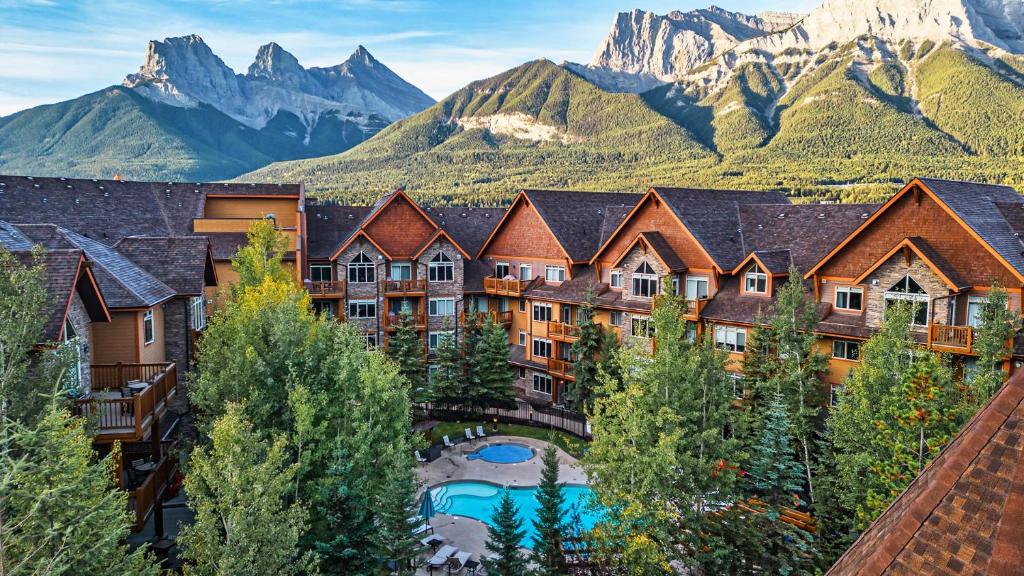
<point>502,453</point>
<point>479,499</point>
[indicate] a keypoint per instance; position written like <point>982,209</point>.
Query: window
<point>148,327</point>
<point>566,311</point>
<point>615,318</point>
<point>362,309</point>
<point>835,393</point>
<point>501,269</point>
<point>756,280</point>
<point>737,385</point>
<point>542,384</point>
<point>73,378</point>
<point>554,273</point>
<point>401,271</point>
<point>846,350</point>
<point>696,287</point>
<point>525,272</point>
<point>542,312</point>
<point>731,338</point>
<point>502,305</point>
<point>645,282</point>
<point>542,347</point>
<point>371,340</point>
<point>522,305</point>
<point>616,281</point>
<point>323,307</point>
<point>320,272</point>
<point>643,327</point>
<point>361,270</point>
<point>522,372</point>
<point>441,268</point>
<point>522,337</point>
<point>849,298</point>
<point>908,290</point>
<point>434,339</point>
<point>197,313</point>
<point>442,306</point>
<point>675,285</point>
<point>975,304</point>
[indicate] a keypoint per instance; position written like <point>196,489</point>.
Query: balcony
<point>326,289</point>
<point>145,483</point>
<point>391,320</point>
<point>694,308</point>
<point>126,399</point>
<point>403,287</point>
<point>502,287</point>
<point>562,369</point>
<point>953,339</point>
<point>563,332</point>
<point>502,318</point>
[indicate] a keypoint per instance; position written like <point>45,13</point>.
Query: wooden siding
<point>926,219</point>
<point>285,210</point>
<point>155,352</point>
<point>400,229</point>
<point>524,234</point>
<point>117,340</point>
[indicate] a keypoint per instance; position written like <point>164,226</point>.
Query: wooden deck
<point>127,418</point>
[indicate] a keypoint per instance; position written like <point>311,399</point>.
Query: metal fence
<point>524,413</point>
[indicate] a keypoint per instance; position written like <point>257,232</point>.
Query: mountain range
<point>186,115</point>
<point>841,103</point>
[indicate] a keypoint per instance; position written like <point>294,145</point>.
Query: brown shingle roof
<point>329,225</point>
<point>581,220</point>
<point>469,226</point>
<point>964,514</point>
<point>180,262</point>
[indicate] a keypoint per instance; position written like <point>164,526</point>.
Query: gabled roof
<point>440,233</point>
<point>468,226</point>
<point>183,263</point>
<point>979,208</point>
<point>928,255</point>
<point>964,514</point>
<point>659,246</point>
<point>378,207</point>
<point>577,219</point>
<point>330,225</point>
<point>774,262</point>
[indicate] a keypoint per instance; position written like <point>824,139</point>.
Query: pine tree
<point>406,349</point>
<point>547,554</point>
<point>998,325</point>
<point>778,483</point>
<point>588,350</point>
<point>505,535</point>
<point>393,506</point>
<point>448,380</point>
<point>345,512</point>
<point>493,383</point>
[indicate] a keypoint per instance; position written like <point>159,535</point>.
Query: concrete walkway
<point>468,534</point>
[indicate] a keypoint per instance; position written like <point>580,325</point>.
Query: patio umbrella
<point>427,506</point>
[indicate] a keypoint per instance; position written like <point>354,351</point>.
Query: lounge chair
<point>480,432</point>
<point>457,562</point>
<point>423,528</point>
<point>440,558</point>
<point>448,443</point>
<point>419,458</point>
<point>469,435</point>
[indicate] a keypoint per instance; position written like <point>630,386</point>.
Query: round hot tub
<point>502,453</point>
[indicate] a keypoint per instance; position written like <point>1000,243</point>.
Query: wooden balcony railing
<point>503,318</point>
<point>562,369</point>
<point>327,288</point>
<point>951,338</point>
<point>563,332</point>
<point>120,417</point>
<point>391,320</point>
<point>403,286</point>
<point>502,287</point>
<point>695,307</point>
<point>141,499</point>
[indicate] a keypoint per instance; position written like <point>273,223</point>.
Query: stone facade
<point>78,316</point>
<point>451,289</point>
<point>363,291</point>
<point>891,272</point>
<point>178,346</point>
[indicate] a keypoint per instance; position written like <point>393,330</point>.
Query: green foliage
<point>547,553</point>
<point>118,131</point>
<point>992,343</point>
<point>60,511</point>
<point>490,376</point>
<point>345,516</point>
<point>239,489</point>
<point>447,382</point>
<point>406,349</point>
<point>589,350</point>
<point>261,258</point>
<point>505,532</point>
<point>924,49</point>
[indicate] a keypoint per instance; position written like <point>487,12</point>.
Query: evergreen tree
<point>394,505</point>
<point>406,349</point>
<point>448,380</point>
<point>493,381</point>
<point>547,553</point>
<point>588,350</point>
<point>991,342</point>
<point>239,488</point>
<point>505,534</point>
<point>60,511</point>
<point>345,512</point>
<point>778,483</point>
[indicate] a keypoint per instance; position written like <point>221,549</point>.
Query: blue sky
<point>51,50</point>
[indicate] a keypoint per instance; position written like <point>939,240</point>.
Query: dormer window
<point>645,281</point>
<point>756,280</point>
<point>441,268</point>
<point>361,270</point>
<point>616,279</point>
<point>908,290</point>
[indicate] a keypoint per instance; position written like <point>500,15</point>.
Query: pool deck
<point>466,533</point>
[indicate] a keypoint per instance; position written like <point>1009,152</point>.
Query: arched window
<point>645,281</point>
<point>756,280</point>
<point>361,270</point>
<point>441,268</point>
<point>908,290</point>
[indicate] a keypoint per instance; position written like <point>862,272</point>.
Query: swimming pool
<point>502,453</point>
<point>477,500</point>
